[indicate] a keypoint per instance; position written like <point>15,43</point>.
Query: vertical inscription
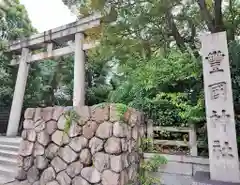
<point>215,58</point>
<point>222,150</point>
<point>220,119</point>
<point>218,90</point>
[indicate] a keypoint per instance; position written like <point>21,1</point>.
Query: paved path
<point>4,179</point>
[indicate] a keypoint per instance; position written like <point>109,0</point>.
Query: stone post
<point>222,144</point>
<point>79,71</point>
<point>18,96</point>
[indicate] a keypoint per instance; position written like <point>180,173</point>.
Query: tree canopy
<point>14,23</point>
<point>148,57</point>
<point>154,46</point>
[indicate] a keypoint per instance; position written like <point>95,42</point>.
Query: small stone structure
<point>98,148</point>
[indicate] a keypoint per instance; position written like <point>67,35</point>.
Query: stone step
<point>8,161</point>
<point>8,171</point>
<point>9,154</point>
<point>13,141</point>
<point>9,147</point>
<point>6,179</point>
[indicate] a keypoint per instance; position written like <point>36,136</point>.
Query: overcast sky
<point>48,14</point>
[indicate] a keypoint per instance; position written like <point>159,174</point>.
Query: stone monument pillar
<point>222,144</point>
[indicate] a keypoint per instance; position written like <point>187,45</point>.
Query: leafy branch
<point>70,116</point>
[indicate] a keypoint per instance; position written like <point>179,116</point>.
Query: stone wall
<point>100,147</point>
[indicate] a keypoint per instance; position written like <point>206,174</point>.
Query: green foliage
<point>167,88</point>
<point>14,24</point>
<point>147,145</point>
<point>149,166</point>
<point>121,110</point>
<point>70,116</point>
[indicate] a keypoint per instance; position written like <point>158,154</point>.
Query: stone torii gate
<point>48,41</point>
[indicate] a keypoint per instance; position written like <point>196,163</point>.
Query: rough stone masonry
<point>98,149</point>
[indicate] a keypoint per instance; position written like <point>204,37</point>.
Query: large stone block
<point>61,122</point>
<point>105,130</point>
<point>101,161</point>
<point>38,150</point>
<point>75,130</point>
<point>58,164</point>
<point>78,143</point>
<point>114,115</point>
<point>57,137</point>
<point>121,129</point>
<point>53,183</point>
<point>21,174</point>
<point>83,113</point>
<point>85,156</point>
<point>36,183</point>
<point>48,175</point>
<point>28,124</point>
<point>124,144</point>
<point>100,113</point>
<point>29,135</point>
<point>29,113</point>
<point>26,148</point>
<point>135,117</point>
<point>47,113</point>
<point>51,126</point>
<point>91,175</point>
<point>57,112</point>
<point>38,114</point>
<point>95,145</point>
<point>79,180</point>
<point>113,146</point>
<point>27,163</point>
<point>41,162</point>
<point>124,180</point>
<point>43,138</point>
<point>89,129</point>
<point>110,178</point>
<point>63,178</point>
<point>67,154</point>
<point>117,163</point>
<point>20,160</point>
<point>51,150</point>
<point>33,174</point>
<point>74,169</point>
<point>39,125</point>
<point>65,139</point>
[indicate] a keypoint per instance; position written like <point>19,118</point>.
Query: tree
<point>166,88</point>
<point>144,31</point>
<point>166,21</point>
<point>14,23</point>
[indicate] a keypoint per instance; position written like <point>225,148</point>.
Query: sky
<point>48,14</point>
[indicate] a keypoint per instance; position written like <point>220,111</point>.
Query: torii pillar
<point>79,71</point>
<point>18,96</point>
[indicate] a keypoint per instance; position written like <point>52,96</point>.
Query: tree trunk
<point>175,33</point>
<point>219,26</point>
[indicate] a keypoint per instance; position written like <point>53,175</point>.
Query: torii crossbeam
<point>47,41</point>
